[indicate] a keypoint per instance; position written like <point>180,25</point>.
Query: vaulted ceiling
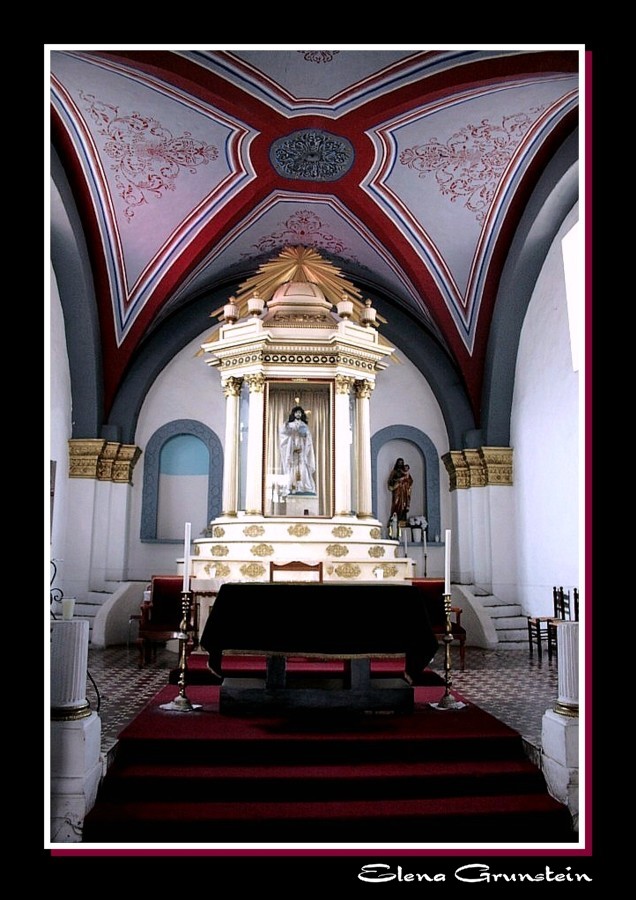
<point>419,173</point>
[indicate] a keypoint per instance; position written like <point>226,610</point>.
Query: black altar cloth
<point>347,621</point>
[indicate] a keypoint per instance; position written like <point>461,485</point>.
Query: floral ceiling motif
<point>319,56</point>
<point>147,158</point>
<point>472,161</point>
<point>312,156</point>
<point>303,227</point>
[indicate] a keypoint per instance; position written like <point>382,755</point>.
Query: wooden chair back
<point>295,571</point>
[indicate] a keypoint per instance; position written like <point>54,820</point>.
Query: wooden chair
<point>295,571</point>
<point>162,615</point>
<point>568,609</point>
<point>433,590</point>
<point>540,628</point>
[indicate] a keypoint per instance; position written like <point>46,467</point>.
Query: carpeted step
<point>506,818</point>
<point>395,778</point>
<point>433,775</point>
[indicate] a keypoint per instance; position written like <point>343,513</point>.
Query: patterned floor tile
<point>509,684</point>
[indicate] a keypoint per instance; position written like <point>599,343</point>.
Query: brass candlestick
<point>181,703</point>
<point>448,701</point>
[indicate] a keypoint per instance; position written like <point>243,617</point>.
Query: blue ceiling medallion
<point>312,155</point>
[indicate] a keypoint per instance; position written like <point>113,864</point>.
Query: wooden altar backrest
<point>295,571</point>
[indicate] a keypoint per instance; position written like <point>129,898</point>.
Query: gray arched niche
<point>420,453</point>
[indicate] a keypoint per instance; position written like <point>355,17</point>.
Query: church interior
<point>333,388</point>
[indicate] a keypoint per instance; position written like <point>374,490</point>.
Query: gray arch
<point>152,455</point>
<point>71,265</point>
<point>428,450</point>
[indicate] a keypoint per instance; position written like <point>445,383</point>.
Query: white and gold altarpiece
<point>298,335</point>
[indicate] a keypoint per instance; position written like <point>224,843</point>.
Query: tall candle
<point>186,557</point>
<point>447,541</point>
<point>424,539</point>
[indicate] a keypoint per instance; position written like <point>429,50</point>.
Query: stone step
<point>504,623</point>
<point>519,635</point>
<point>510,611</point>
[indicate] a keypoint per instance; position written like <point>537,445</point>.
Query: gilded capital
<point>364,388</point>
<point>232,386</point>
<point>343,384</point>
<point>102,460</point>
<point>483,467</point>
<point>497,462</point>
<point>256,383</point>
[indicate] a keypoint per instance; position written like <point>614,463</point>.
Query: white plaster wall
<point>186,389</point>
<point>546,437</point>
<point>58,407</point>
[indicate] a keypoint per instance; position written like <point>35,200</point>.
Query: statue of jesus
<point>297,453</point>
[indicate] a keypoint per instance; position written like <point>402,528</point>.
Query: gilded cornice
<point>483,467</point>
<point>102,460</point>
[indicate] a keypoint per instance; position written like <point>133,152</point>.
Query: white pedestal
<point>560,759</point>
<point>76,771</point>
<point>306,505</point>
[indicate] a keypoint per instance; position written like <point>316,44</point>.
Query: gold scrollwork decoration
<point>252,570</point>
<point>253,530</point>
<point>217,531</point>
<point>197,550</point>
<point>347,570</point>
<point>389,570</point>
<point>221,570</point>
<point>298,530</point>
<point>342,531</point>
<point>375,534</point>
<point>337,550</point>
<point>262,549</point>
<point>219,550</point>
<point>376,552</point>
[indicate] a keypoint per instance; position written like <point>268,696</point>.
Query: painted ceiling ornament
<point>312,155</point>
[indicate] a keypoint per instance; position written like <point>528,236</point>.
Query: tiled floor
<point>509,684</point>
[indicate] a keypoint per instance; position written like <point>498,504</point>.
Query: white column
<point>232,391</point>
<point>69,665</point>
<point>343,446</point>
<point>254,486</point>
<point>363,432</point>
<point>568,668</point>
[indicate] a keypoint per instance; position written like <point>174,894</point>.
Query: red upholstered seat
<point>162,617</point>
<point>433,591</point>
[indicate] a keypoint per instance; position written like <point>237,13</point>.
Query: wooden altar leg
<point>276,672</point>
<point>358,674</point>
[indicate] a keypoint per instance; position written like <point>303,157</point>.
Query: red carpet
<point>453,776</point>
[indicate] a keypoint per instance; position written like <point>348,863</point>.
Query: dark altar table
<point>355,622</point>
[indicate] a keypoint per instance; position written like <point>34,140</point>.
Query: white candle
<point>447,541</point>
<point>186,557</point>
<point>424,539</point>
<point>405,550</point>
